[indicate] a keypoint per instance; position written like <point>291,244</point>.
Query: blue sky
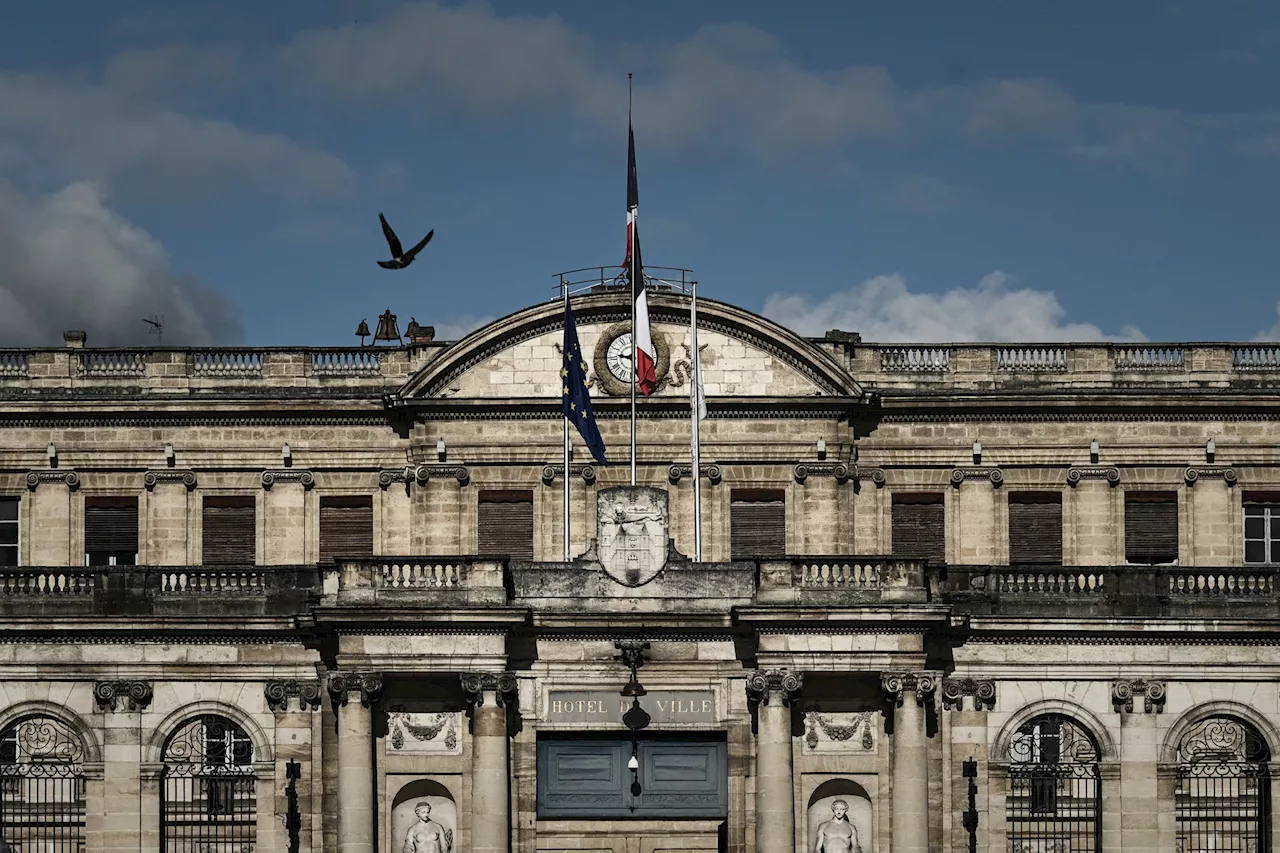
<point>918,170</point>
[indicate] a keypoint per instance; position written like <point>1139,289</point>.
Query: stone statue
<point>837,835</point>
<point>426,836</point>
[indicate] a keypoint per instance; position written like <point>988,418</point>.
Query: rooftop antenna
<point>156,321</point>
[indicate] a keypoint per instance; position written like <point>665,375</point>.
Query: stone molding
<point>875,475</point>
<point>1195,473</point>
<point>678,470</point>
<point>70,479</point>
<point>924,684</point>
<point>1110,473</point>
<point>556,470</point>
<point>134,695</point>
<point>983,691</point>
<point>367,684</point>
<point>838,470</point>
<point>288,475</point>
<point>502,684</point>
<point>387,476</point>
<point>169,475</point>
<point>959,475</point>
<point>762,683</point>
<point>278,693</point>
<point>839,732</point>
<point>1123,692</point>
<point>423,473</point>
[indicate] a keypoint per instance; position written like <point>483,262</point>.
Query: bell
<point>362,331</point>
<point>388,329</point>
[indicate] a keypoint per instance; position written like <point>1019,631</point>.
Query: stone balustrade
<point>841,579</point>
<point>1077,365</point>
<point>400,581</point>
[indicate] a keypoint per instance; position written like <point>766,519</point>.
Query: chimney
<point>75,338</point>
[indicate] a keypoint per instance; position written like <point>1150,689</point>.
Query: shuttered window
<point>1150,527</point>
<point>758,523</point>
<point>229,533</point>
<point>504,524</point>
<point>919,527</point>
<point>346,527</point>
<point>111,531</point>
<point>1035,528</point>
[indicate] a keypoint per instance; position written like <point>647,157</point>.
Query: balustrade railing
<point>1150,358</point>
<point>915,359</point>
<point>13,365</point>
<point>1032,359</point>
<point>227,364</point>
<point>44,581</point>
<point>422,575</point>
<point>1260,358</point>
<point>111,364</point>
<point>346,362</point>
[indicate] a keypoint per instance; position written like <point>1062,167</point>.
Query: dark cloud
<point>67,261</point>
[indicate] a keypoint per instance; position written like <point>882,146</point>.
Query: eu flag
<point>575,403</point>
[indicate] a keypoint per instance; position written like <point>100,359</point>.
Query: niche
<point>410,832</point>
<point>823,807</point>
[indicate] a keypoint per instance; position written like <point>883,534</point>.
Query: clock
<point>614,357</point>
<point>619,356</point>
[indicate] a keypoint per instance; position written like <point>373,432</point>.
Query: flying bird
<point>399,257</point>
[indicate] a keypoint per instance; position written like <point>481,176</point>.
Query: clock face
<point>619,357</point>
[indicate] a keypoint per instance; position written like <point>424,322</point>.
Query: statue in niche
<point>837,834</point>
<point>426,836</point>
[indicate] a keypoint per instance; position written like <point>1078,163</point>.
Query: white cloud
<point>459,327</point>
<point>1272,334</point>
<point>56,131</point>
<point>70,262</point>
<point>883,310</point>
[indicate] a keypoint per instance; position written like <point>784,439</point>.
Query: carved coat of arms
<point>631,533</point>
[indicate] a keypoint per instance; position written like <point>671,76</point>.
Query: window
<point>229,534</point>
<point>209,801</point>
<point>504,524</point>
<point>1054,795</point>
<point>42,785</point>
<point>111,531</point>
<point>346,527</point>
<point>8,531</point>
<point>758,523</point>
<point>919,527</point>
<point>1223,797</point>
<point>1035,528</point>
<point>1261,528</point>
<point>1150,528</point>
<point>587,777</point>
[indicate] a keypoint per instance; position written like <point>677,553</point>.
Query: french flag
<point>646,355</point>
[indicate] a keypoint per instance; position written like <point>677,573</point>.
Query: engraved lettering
<point>556,706</point>
<point>706,706</point>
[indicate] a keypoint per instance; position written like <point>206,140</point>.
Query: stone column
<point>910,692</point>
<point>775,801</point>
<point>355,693</point>
<point>489,693</point>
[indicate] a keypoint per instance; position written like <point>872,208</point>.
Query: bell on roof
<point>362,331</point>
<point>388,329</point>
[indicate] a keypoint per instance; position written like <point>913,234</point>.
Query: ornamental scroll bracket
<point>288,475</point>
<point>70,479</point>
<point>367,684</point>
<point>423,473</point>
<point>764,683</point>
<point>679,470</point>
<point>839,471</point>
<point>1093,472</point>
<point>1123,692</point>
<point>169,475</point>
<point>875,475</point>
<point>278,694</point>
<point>553,471</point>
<point>1196,473</point>
<point>502,684</point>
<point>983,691</point>
<point>897,684</point>
<point>959,475</point>
<point>133,695</point>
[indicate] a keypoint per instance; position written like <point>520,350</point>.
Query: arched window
<point>1054,795</point>
<point>42,785</point>
<point>210,796</point>
<point>1223,788</point>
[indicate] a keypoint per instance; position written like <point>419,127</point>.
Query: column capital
<point>762,683</point>
<point>1123,691</point>
<point>134,695</point>
<point>476,684</point>
<point>278,693</point>
<point>342,684</point>
<point>923,683</point>
<point>983,691</point>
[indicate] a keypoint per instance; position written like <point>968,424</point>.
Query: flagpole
<point>568,452</point>
<point>635,361</point>
<point>695,406</point>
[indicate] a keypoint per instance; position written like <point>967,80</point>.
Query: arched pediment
<point>743,354</point>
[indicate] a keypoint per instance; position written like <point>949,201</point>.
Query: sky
<point>915,171</point>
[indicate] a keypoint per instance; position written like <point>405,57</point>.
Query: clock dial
<point>619,357</point>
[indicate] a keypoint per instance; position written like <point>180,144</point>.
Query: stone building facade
<point>988,597</point>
